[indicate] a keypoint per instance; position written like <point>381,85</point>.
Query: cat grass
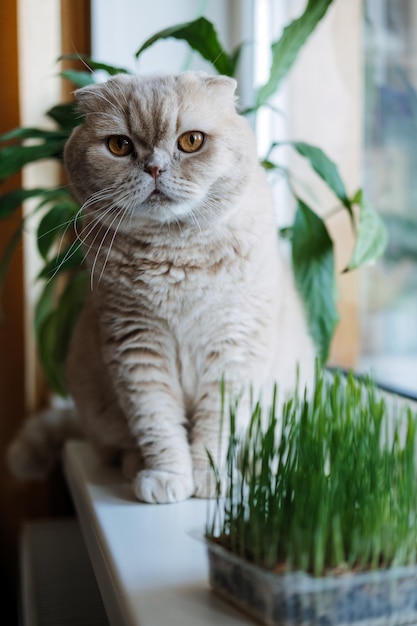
<point>326,487</point>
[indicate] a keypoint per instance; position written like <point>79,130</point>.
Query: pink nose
<point>153,170</point>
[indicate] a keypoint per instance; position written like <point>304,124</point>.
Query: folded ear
<point>90,96</point>
<point>87,97</point>
<point>224,84</point>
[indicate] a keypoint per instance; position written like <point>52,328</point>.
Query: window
<point>389,289</point>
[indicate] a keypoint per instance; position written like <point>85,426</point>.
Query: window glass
<point>389,289</point>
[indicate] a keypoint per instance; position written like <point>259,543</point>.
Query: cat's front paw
<point>204,483</point>
<point>161,487</point>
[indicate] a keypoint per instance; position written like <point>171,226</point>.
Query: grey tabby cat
<point>188,283</point>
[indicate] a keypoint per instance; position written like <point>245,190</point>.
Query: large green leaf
<point>66,115</point>
<point>55,195</point>
<point>235,58</point>
<point>72,258</point>
<point>24,133</point>
<point>57,221</point>
<point>46,341</point>
<point>44,305</point>
<point>13,158</point>
<point>326,169</point>
<point>286,49</point>
<point>78,78</point>
<point>270,166</point>
<point>10,201</point>
<point>201,36</point>
<point>372,236</point>
<point>55,326</point>
<point>93,65</point>
<point>314,271</point>
<point>8,254</point>
<point>68,309</point>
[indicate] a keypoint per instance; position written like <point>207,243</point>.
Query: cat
<point>188,283</point>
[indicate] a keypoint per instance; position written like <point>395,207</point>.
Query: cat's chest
<point>145,276</point>
<point>169,276</point>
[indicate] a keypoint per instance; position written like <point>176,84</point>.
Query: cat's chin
<point>157,196</point>
<point>165,210</point>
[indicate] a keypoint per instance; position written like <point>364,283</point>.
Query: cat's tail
<point>38,445</point>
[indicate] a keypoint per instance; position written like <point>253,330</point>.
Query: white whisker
<point>120,211</point>
<point>67,224</point>
<point>88,230</point>
<point>73,249</point>
<point>123,215</point>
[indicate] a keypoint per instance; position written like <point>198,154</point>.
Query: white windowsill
<point>149,568</point>
<point>396,371</point>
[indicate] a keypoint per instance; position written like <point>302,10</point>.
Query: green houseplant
<point>315,520</point>
<point>311,244</point>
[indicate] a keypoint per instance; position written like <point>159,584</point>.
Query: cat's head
<point>164,149</point>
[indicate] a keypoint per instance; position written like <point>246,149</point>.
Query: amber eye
<point>191,141</point>
<point>120,145</point>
